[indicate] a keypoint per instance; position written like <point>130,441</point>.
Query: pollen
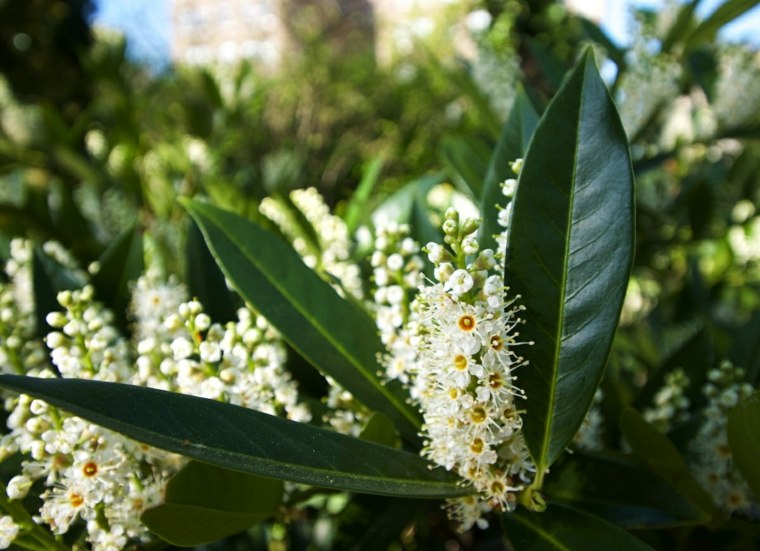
<point>467,322</point>
<point>478,414</point>
<point>75,499</point>
<point>497,343</point>
<point>460,362</point>
<point>90,469</point>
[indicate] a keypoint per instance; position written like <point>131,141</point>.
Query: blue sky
<point>147,23</point>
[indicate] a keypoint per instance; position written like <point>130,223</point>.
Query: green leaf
<point>725,13</point>
<point>48,278</point>
<point>744,439</point>
<point>204,503</point>
<point>620,491</point>
<point>660,455</point>
<point>513,143</point>
<point>570,255</point>
<point>468,160</point>
<point>358,205</point>
<point>399,207</point>
<point>380,430</point>
<point>332,334</point>
<point>563,528</point>
<point>745,349</point>
<point>205,280</point>
<point>681,27</point>
<point>242,439</point>
<point>120,264</point>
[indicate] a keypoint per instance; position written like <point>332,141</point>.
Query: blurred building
<point>212,31</point>
<point>209,31</point>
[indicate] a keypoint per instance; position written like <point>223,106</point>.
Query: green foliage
<point>569,257</point>
<point>562,527</point>
<point>204,504</point>
<point>331,333</point>
<point>242,439</point>
<point>164,173</point>
<point>743,438</point>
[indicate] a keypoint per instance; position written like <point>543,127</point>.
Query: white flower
<point>459,282</point>
<point>8,531</point>
<point>18,486</point>
<point>182,348</point>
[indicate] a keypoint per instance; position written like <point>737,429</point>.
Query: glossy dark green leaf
<point>744,439</point>
<point>331,333</point>
<point>512,145</point>
<point>570,255</point>
<point>204,503</point>
<point>658,453</point>
<point>120,264</point>
<point>205,280</point>
<point>620,491</point>
<point>242,439</point>
<point>563,528</point>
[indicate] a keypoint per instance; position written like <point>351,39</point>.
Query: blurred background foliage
<point>92,143</point>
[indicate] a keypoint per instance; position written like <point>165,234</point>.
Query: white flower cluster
<point>397,266</point>
<point>327,247</point>
<point>650,82</point>
<point>90,473</point>
<point>462,377</point>
<point>344,412</point>
<point>241,362</point>
<point>713,461</point>
<point>671,404</point>
<point>737,99</point>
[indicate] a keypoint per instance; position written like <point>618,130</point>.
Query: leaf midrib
<point>563,292</point>
<point>179,445</point>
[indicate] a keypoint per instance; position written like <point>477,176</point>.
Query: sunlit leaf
<point>242,439</point>
<point>570,255</point>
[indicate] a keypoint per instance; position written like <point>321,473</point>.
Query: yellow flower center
<point>478,414</point>
<point>90,469</point>
<point>476,446</point>
<point>460,362</point>
<point>76,499</point>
